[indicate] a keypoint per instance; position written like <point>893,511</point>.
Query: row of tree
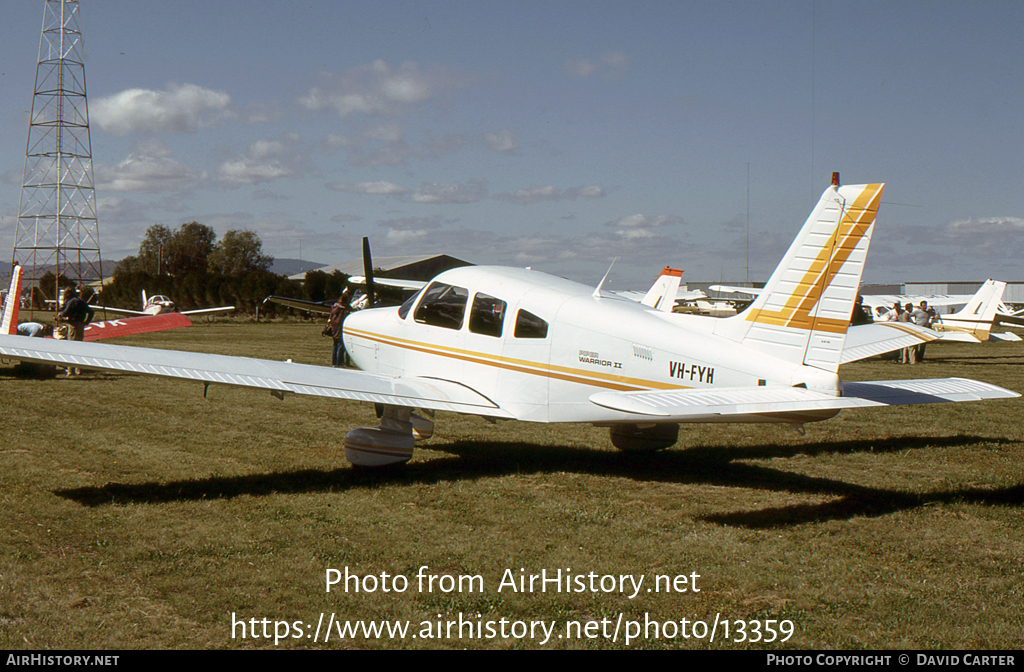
<point>193,248</point>
<point>196,270</point>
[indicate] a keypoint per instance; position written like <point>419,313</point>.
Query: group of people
<point>72,318</point>
<point>922,316</point>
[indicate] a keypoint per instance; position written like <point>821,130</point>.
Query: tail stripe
<point>797,310</point>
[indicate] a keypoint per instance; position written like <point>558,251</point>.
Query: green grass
<point>138,514</point>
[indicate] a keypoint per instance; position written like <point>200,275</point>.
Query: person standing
<point>76,314</point>
<point>335,327</point>
<point>921,318</point>
<point>908,355</point>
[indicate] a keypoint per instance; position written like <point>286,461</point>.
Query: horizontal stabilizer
<point>869,340</point>
<point>278,377</point>
<point>1005,336</point>
<point>701,404</point>
<point>924,391</point>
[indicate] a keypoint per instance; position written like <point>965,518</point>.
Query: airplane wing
<point>730,289</point>
<point>277,377</point>
<point>1015,319</point>
<point>689,405</point>
<point>311,306</point>
<point>119,311</point>
<point>208,311</point>
<point>410,285</point>
<point>869,340</point>
<point>96,331</point>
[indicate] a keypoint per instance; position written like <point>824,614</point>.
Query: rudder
<point>804,310</point>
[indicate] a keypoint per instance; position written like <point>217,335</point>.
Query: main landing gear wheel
<point>644,438</point>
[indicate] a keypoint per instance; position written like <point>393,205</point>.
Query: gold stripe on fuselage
<point>573,375</point>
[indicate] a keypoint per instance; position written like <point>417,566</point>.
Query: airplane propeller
<point>371,289</point>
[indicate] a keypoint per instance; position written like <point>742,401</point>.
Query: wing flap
<point>305,379</point>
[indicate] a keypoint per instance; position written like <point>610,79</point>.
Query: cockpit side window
<point>442,306</point>
<point>487,315</point>
<point>529,325</point>
<point>404,309</point>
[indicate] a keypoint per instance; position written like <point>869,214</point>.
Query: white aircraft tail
<point>662,294</point>
<point>804,310</point>
<point>976,318</point>
<point>9,322</point>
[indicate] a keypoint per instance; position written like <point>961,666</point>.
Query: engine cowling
<point>644,438</point>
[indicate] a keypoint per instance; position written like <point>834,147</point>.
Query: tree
<point>153,251</point>
<point>190,245</point>
<point>239,252</point>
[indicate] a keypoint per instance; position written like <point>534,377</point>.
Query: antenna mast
<point>57,227</point>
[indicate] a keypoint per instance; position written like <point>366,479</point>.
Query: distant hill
<point>5,270</point>
<point>293,266</point>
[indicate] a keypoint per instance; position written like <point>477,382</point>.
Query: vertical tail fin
<point>976,318</point>
<point>662,294</point>
<point>9,322</point>
<point>804,310</point>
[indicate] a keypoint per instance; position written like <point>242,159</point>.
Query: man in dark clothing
<point>76,314</point>
<point>334,328</point>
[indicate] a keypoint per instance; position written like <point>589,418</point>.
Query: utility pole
<point>57,228</point>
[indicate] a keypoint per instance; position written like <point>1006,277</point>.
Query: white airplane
<point>873,301</point>
<point>971,324</point>
<point>94,331</point>
<point>506,343</point>
<point>160,304</point>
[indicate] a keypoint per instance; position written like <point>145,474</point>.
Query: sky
<point>558,135</point>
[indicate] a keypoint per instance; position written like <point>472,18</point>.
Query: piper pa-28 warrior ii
<point>507,343</point>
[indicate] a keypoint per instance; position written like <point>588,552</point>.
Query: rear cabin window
<point>529,325</point>
<point>487,315</point>
<point>442,306</point>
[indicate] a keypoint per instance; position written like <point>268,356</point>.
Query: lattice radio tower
<point>57,227</point>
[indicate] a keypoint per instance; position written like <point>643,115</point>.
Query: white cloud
<point>264,161</point>
<point>470,192</point>
<point>502,141</point>
<point>550,193</point>
<point>182,108</point>
<point>616,60</point>
<point>378,188</point>
<point>380,89</point>
<point>610,63</point>
<point>386,132</point>
<point>985,225</point>
<point>579,68</point>
<point>149,168</point>
<point>643,221</point>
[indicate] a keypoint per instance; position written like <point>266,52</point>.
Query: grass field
<point>137,514</point>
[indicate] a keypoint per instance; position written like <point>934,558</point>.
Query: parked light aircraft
<point>94,331</point>
<point>971,324</point>
<point>508,343</point>
<point>160,305</point>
